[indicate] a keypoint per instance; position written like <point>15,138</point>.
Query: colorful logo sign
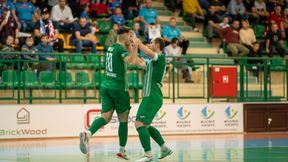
<point>207,113</point>
<point>183,113</point>
<point>230,112</point>
<point>23,116</point>
<point>160,114</point>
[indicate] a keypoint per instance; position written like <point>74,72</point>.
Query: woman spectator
<point>247,36</point>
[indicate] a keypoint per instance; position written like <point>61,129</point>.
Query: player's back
<point>116,68</point>
<point>154,75</point>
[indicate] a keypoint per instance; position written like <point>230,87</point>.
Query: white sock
<point>148,153</point>
<point>122,149</point>
<point>89,134</point>
<point>164,147</point>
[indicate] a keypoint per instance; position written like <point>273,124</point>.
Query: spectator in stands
<point>46,26</point>
<point>274,42</point>
<point>112,36</point>
<point>137,31</point>
<point>210,23</point>
<point>148,15</point>
<point>99,8</point>
<point>220,9</point>
<point>8,47</point>
<point>25,11</point>
<point>30,52</point>
<point>173,49</point>
<point>231,36</point>
<point>260,9</point>
<point>82,36</point>
<point>46,53</point>
<point>172,31</point>
<point>236,10</point>
<point>117,17</point>
<point>130,9</point>
<point>112,5</point>
<point>62,14</point>
<point>8,27</point>
<point>4,4</point>
<point>194,10</point>
<point>276,17</point>
<point>247,36</point>
<point>224,23</point>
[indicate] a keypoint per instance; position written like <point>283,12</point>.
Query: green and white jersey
<point>154,74</point>
<point>116,68</point>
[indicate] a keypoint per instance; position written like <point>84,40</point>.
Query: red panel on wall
<point>223,82</point>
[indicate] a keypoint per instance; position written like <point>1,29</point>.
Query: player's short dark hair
<point>123,30</point>
<point>161,43</point>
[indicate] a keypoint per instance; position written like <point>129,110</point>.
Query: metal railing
<point>270,84</point>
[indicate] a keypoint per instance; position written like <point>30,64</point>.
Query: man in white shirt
<point>63,15</point>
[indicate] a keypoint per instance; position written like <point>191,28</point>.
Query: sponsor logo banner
<point>34,121</point>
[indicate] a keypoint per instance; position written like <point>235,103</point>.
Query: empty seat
<point>82,80</point>
<point>29,79</point>
<point>47,79</point>
<point>9,79</point>
<point>65,80</point>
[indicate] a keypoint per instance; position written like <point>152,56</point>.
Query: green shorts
<point>115,100</point>
<point>149,108</point>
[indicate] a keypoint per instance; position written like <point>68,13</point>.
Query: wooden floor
<point>198,148</point>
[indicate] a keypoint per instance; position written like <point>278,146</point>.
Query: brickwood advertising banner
<point>39,121</point>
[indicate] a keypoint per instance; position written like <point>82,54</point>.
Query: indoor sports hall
<point>221,94</point>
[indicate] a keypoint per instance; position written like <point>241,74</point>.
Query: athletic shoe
<point>145,159</point>
<point>84,139</point>
<point>165,153</point>
<point>122,155</point>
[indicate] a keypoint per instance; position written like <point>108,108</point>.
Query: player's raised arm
<point>132,59</point>
<point>146,50</point>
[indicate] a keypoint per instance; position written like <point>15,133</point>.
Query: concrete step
<point>207,55</point>
<point>157,4</point>
<point>165,13</point>
<point>202,51</point>
<point>192,35</point>
<point>167,23</point>
<point>185,28</point>
<point>167,18</point>
<point>199,39</point>
<point>160,8</point>
<point>200,45</point>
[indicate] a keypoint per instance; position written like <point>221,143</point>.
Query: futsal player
<point>114,91</point>
<point>152,98</point>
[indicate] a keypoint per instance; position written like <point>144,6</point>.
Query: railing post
<point>267,67</point>
<point>242,81</point>
<point>60,83</point>
<point>286,71</point>
<point>19,79</point>
<point>208,80</point>
<point>173,80</point>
